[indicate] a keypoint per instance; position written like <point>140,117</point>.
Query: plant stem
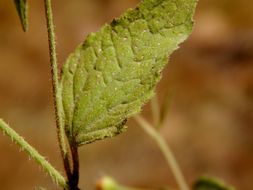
<point>33,153</point>
<point>155,111</point>
<point>164,147</point>
<point>56,89</point>
<point>75,173</point>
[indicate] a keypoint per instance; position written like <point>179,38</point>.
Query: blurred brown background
<point>210,79</point>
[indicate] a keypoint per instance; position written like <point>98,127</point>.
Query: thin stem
<point>155,108</point>
<point>165,108</point>
<point>56,89</point>
<point>164,147</point>
<point>33,153</point>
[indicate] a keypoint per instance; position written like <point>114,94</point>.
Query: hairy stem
<point>164,147</point>
<point>33,153</point>
<point>56,89</point>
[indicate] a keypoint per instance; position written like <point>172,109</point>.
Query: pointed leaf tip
<point>210,183</point>
<point>22,9</point>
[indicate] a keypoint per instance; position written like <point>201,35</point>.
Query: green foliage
<point>113,73</point>
<point>108,78</point>
<point>107,183</point>
<point>205,183</point>
<point>39,188</point>
<point>22,9</point>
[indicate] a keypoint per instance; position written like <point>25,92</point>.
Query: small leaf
<point>40,188</point>
<point>114,72</point>
<point>22,9</point>
<point>108,183</point>
<point>206,183</point>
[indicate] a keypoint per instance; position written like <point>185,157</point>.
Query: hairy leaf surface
<point>113,73</point>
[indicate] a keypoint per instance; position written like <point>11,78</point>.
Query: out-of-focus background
<point>209,79</point>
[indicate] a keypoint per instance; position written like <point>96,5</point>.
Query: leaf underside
<point>113,73</point>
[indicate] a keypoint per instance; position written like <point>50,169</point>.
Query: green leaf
<point>207,183</point>
<point>108,183</point>
<point>22,9</point>
<point>114,72</point>
<point>40,188</point>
